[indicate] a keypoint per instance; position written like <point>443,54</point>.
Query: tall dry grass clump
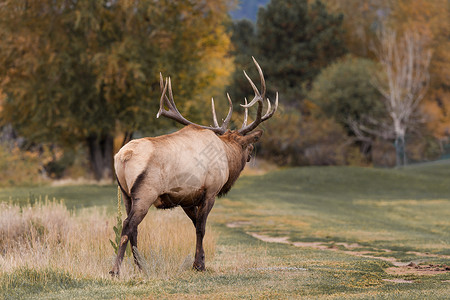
<point>47,235</point>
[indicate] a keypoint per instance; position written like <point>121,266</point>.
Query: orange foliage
<point>310,139</point>
<point>437,107</point>
<point>19,167</point>
<point>359,20</point>
<point>432,19</point>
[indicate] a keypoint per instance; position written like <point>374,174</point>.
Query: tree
<point>344,91</point>
<point>82,71</point>
<point>404,82</point>
<point>294,41</point>
<point>293,139</point>
<point>361,19</point>
<point>431,18</point>
<point>243,39</point>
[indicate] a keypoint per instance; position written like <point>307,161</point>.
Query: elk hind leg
<point>133,236</point>
<point>138,210</point>
<point>126,200</point>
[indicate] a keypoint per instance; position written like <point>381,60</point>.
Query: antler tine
<point>228,117</point>
<point>214,113</point>
<point>245,114</point>
<point>170,101</point>
<point>261,76</point>
<point>163,95</point>
<point>269,112</point>
<point>255,123</point>
<point>230,112</point>
<point>255,89</point>
<point>268,108</point>
<point>161,81</point>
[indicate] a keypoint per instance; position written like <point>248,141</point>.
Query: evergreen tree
<point>243,39</point>
<point>294,41</point>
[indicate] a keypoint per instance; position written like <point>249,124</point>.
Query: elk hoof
<point>114,274</point>
<point>199,267</point>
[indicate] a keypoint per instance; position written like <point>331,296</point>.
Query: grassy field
<point>321,232</point>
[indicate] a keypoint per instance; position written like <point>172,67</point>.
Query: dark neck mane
<point>236,162</point>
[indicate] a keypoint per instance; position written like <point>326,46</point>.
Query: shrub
<point>344,90</point>
<point>19,167</point>
<point>290,139</point>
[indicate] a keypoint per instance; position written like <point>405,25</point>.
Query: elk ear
<point>252,137</point>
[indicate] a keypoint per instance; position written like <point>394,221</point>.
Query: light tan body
<point>180,165</point>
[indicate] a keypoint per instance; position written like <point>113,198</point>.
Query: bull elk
<point>188,168</point>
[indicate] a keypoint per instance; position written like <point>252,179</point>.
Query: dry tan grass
<point>47,235</point>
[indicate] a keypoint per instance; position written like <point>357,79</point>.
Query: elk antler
<point>174,114</point>
<point>259,98</point>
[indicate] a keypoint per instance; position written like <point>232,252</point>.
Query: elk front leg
<point>200,226</point>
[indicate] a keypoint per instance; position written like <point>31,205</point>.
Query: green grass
<point>408,208</point>
<point>74,197</point>
<point>25,282</point>
<point>401,210</point>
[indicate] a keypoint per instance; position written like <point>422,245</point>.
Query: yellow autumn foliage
<point>19,167</point>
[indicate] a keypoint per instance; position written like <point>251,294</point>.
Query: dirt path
<point>401,268</point>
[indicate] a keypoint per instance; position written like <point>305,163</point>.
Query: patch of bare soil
<point>315,245</point>
<point>428,254</point>
<point>269,239</point>
<point>238,224</point>
<point>421,269</point>
<point>401,268</point>
<point>397,280</point>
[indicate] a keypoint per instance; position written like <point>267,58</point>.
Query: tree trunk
<point>101,155</point>
<point>128,136</point>
<point>400,154</point>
